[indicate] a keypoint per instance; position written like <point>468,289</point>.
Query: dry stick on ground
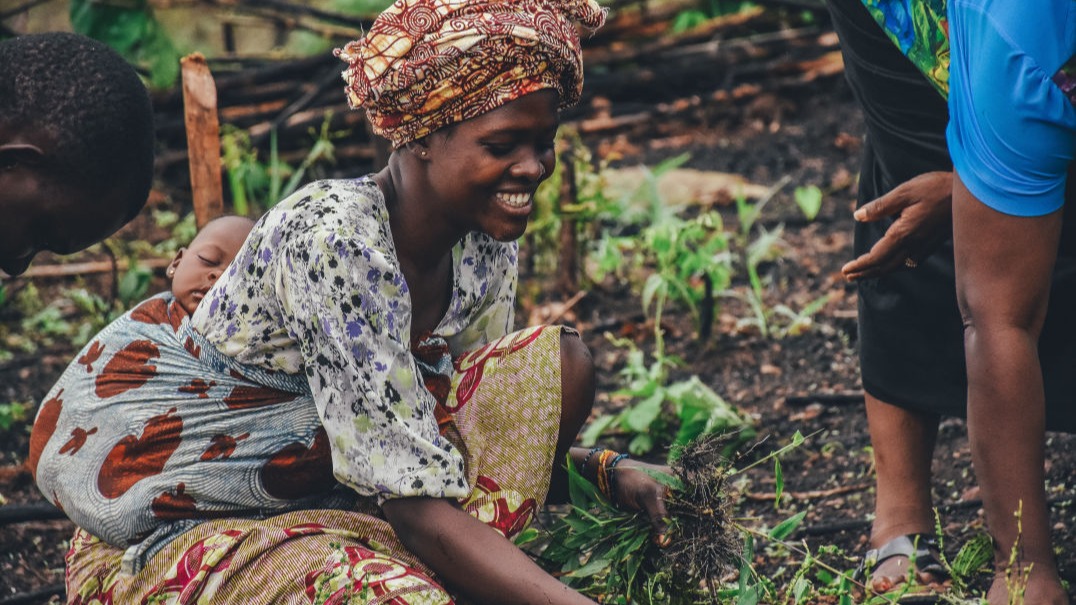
<point>565,307</point>
<point>21,8</point>
<point>31,511</point>
<point>815,494</point>
<point>330,77</point>
<point>101,266</point>
<point>288,8</point>
<point>203,138</point>
<point>849,398</point>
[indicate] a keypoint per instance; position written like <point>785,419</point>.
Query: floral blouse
<point>317,289</point>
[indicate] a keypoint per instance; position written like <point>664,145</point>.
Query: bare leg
<point>903,442</point>
<point>1003,269</point>
<point>577,398</point>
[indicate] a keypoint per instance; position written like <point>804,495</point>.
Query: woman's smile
<point>516,202</point>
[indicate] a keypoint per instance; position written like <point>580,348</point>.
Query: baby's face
<point>197,267</point>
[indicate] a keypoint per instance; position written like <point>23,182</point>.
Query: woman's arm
<point>635,489</point>
<point>1003,271</point>
<point>471,557</point>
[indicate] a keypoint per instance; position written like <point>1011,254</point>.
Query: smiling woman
<point>357,355</point>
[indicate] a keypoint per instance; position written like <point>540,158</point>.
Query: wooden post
<point>203,138</point>
<point>568,265</point>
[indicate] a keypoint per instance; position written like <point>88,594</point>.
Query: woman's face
<point>484,171</point>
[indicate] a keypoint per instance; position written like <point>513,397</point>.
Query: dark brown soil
<point>808,383</point>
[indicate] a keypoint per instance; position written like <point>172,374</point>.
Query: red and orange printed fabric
<point>197,479</point>
<point>426,64</point>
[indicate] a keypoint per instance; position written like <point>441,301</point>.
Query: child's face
<point>197,267</point>
<point>38,213</point>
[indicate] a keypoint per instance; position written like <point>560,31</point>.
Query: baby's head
<point>197,267</point>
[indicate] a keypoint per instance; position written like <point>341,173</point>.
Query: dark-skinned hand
<point>636,490</point>
<point>924,218</point>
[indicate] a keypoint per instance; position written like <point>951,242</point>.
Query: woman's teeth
<point>515,200</point>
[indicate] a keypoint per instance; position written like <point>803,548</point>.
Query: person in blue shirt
<point>1009,139</point>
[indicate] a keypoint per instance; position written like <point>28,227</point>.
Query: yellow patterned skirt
<point>502,412</point>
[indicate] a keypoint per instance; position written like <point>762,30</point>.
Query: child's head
<point>76,145</point>
<point>196,268</point>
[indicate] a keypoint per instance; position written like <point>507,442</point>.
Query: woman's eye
<point>499,149</point>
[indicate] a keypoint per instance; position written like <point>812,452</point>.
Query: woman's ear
<point>420,148</point>
<point>172,266</point>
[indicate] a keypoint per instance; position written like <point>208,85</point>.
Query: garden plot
<point>768,347</point>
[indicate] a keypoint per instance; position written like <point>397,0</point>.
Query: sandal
<point>923,550</point>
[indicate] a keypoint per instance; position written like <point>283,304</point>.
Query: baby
<point>196,268</point>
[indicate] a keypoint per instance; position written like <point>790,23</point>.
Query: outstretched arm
<point>471,557</point>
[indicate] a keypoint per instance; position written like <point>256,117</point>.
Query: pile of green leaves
<point>608,554</point>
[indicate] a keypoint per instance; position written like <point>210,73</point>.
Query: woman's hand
<point>637,490</point>
<point>923,210</point>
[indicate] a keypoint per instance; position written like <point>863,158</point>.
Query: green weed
<point>755,245</point>
<point>665,413</point>
<point>708,9</point>
<point>13,413</point>
<point>809,199</point>
<point>131,28</point>
<point>608,554</point>
<point>256,186</point>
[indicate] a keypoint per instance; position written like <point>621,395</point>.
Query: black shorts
<point>911,341</point>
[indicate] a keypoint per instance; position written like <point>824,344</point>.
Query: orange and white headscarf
<point>426,64</point>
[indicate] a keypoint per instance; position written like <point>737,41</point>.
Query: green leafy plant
<point>131,28</point>
<point>809,199</point>
<point>685,260</point>
<point>755,245</point>
<point>13,413</point>
<point>255,185</point>
<point>608,554</point>
<point>667,413</point>
<point>588,210</point>
<point>974,557</point>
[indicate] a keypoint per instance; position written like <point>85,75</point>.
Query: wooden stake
<point>89,267</point>
<point>568,265</point>
<point>203,138</point>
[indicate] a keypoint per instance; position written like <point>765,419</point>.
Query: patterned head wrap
<point>426,64</point>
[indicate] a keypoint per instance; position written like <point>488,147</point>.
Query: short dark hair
<point>93,104</point>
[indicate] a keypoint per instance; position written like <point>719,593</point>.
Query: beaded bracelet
<point>586,459</point>
<point>612,476</point>
<point>603,473</point>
